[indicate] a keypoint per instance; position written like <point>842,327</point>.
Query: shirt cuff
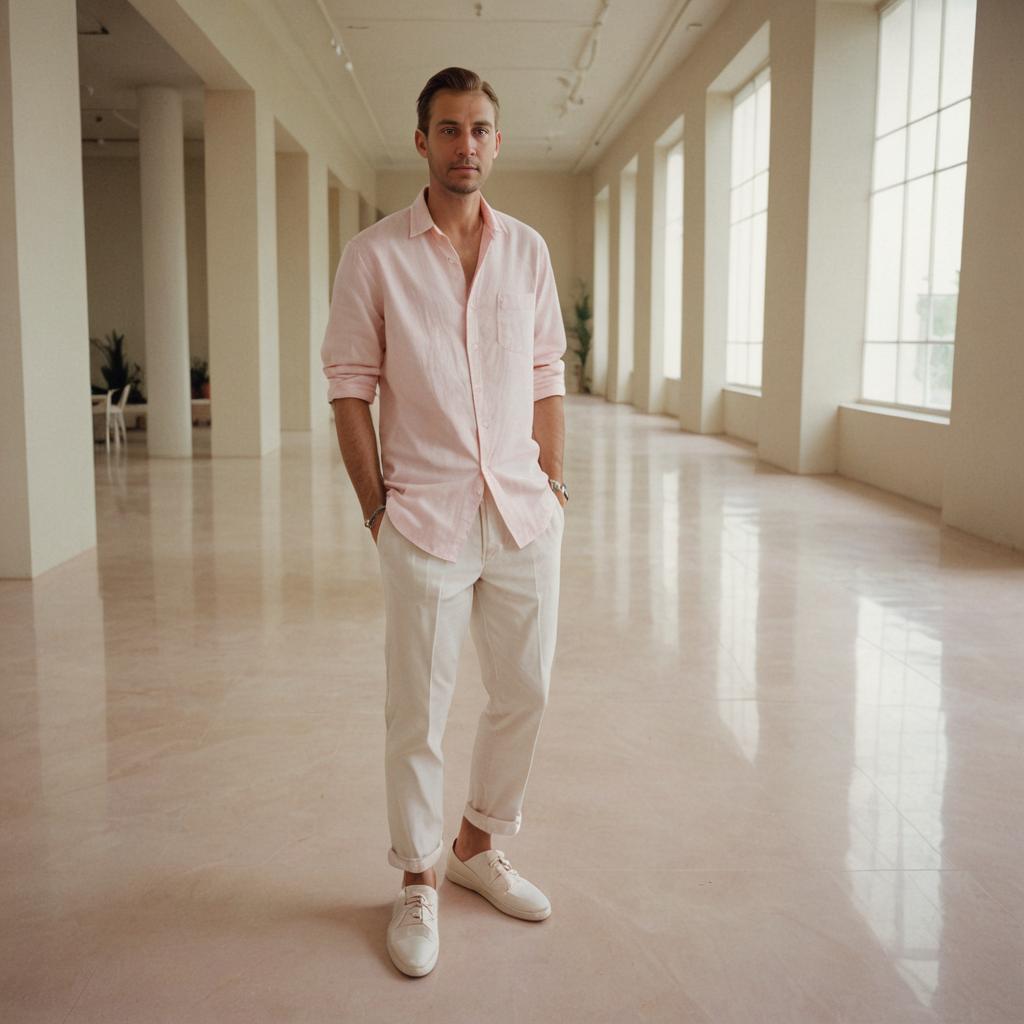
<point>361,386</point>
<point>549,381</point>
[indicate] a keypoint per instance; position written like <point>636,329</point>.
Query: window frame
<point>903,346</point>
<point>750,85</point>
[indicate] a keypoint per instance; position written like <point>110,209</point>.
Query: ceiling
<point>118,51</point>
<point>568,75</point>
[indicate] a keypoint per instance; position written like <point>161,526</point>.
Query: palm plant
<point>116,369</point>
<point>581,329</point>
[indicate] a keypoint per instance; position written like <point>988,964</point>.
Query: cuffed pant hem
<point>415,864</point>
<point>495,826</point>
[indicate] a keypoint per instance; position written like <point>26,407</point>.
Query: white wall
<point>230,49</point>
<point>113,254</point>
<point>822,56</point>
<point>984,483</point>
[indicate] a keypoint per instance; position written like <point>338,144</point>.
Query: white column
<point>241,248</point>
<point>649,274</point>
<point>47,498</point>
<point>321,414</point>
<point>333,234</point>
<point>983,491</point>
<point>620,357</point>
<point>348,214</point>
<point>707,196</point>
<point>164,272</point>
<point>817,229</point>
<point>301,261</point>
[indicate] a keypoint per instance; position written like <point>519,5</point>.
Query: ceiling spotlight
<point>348,65</point>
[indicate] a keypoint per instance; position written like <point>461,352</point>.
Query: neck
<point>453,213</point>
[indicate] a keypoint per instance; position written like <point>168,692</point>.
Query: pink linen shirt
<point>458,369</point>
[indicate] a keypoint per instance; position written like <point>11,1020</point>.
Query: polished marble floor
<point>779,780</point>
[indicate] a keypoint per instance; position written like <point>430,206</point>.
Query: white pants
<point>510,596</point>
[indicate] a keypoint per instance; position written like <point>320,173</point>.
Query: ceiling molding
<point>317,84</point>
<point>608,124</point>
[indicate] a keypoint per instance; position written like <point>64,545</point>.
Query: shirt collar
<point>420,220</point>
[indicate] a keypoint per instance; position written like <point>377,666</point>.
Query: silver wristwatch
<point>557,486</point>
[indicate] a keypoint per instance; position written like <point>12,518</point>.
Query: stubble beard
<point>459,188</point>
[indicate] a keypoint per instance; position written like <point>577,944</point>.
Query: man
<point>450,307</point>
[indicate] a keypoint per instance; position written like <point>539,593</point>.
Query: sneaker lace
<point>415,906</point>
<point>502,867</point>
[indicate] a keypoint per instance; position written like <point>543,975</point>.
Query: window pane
<point>890,159</point>
<point>751,128</point>
<point>954,128</point>
<point>949,225</point>
<point>880,372</point>
<point>754,366</point>
<point>743,141</point>
<point>735,362</point>
<point>957,50</point>
<point>893,68</point>
<point>921,151</point>
<point>924,81</point>
<point>742,201</point>
<point>913,368</point>
<point>673,291</point>
<point>924,84</point>
<point>674,183</point>
<point>761,192</point>
<point>884,265</point>
<point>739,281</point>
<point>763,127</point>
<point>916,248</point>
<point>758,242</point>
<point>940,376</point>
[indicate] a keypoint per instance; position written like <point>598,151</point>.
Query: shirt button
<point>451,259</point>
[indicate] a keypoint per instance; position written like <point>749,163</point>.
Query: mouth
<point>465,167</point>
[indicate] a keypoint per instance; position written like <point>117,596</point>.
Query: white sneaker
<point>412,934</point>
<point>490,874</point>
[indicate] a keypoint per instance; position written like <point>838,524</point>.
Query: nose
<point>467,145</point>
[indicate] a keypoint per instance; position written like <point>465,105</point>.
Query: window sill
<point>895,412</point>
<point>739,389</point>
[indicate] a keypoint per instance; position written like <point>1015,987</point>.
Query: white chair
<point>115,416</point>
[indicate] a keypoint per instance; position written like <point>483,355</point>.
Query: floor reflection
<point>780,776</point>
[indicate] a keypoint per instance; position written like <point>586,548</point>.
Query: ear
<point>420,141</point>
<point>497,142</point>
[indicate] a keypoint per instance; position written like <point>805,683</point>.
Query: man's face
<point>462,141</point>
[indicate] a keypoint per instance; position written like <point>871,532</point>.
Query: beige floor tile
<point>779,777</point>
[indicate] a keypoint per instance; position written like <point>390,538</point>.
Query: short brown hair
<point>452,80</point>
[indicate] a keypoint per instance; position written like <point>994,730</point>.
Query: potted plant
<point>116,370</point>
<point>581,331</point>
<point>200,378</point>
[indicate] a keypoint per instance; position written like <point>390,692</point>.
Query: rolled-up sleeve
<point>353,346</point>
<point>549,334</point>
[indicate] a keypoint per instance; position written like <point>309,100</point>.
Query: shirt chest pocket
<point>515,321</point>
